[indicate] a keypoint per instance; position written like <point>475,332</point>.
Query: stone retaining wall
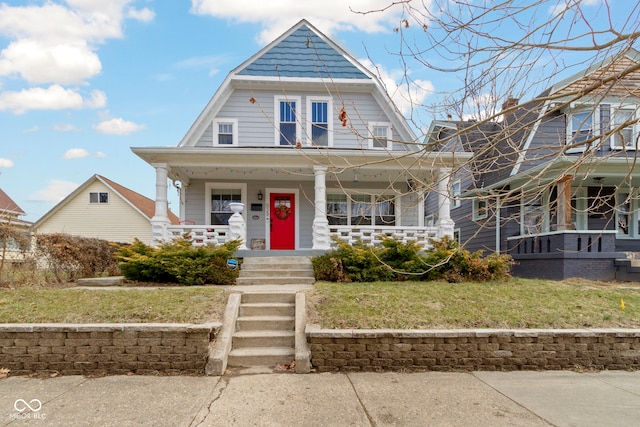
<point>473,349</point>
<point>85,349</point>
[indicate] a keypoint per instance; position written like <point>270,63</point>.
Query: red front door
<point>282,219</point>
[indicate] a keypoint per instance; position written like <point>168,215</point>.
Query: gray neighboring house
<point>299,145</point>
<point>556,183</point>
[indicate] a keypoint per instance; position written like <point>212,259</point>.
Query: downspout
<point>498,207</point>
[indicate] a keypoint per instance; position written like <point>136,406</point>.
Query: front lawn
<point>114,305</point>
<point>518,303</point>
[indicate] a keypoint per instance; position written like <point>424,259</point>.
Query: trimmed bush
<point>179,262</point>
<point>395,260</point>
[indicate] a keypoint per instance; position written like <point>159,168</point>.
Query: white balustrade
<point>200,234</point>
<point>373,235</point>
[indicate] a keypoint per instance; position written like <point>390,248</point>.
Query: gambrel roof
<point>304,53</point>
<point>302,56</point>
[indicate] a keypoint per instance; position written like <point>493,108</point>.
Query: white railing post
<point>237,226</point>
<point>445,224</point>
<point>321,238</point>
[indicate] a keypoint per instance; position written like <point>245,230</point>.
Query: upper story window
<point>456,190</point>
<point>225,132</point>
<point>580,128</point>
<point>287,129</point>
<point>99,197</point>
<point>380,136</point>
<point>623,126</point>
<point>479,209</point>
<point>319,123</point>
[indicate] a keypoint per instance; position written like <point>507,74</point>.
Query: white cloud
<point>100,155</point>
<point>329,16</point>
<point>65,127</point>
<point>406,95</point>
<point>76,153</point>
<point>55,97</point>
<point>6,163</point>
<point>143,15</point>
<point>55,191</point>
<point>118,126</point>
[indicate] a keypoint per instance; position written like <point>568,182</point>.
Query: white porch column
<point>445,224</point>
<point>237,226</point>
<point>160,220</point>
<point>321,238</point>
<point>564,203</point>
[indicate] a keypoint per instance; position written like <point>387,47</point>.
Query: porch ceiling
<point>294,164</point>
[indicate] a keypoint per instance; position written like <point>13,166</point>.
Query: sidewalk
<point>556,398</point>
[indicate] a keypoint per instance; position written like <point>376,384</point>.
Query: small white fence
<point>373,235</point>
<point>201,235</point>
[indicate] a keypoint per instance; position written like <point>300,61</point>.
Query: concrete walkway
<point>358,399</point>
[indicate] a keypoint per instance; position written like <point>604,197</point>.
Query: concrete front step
<point>243,339</point>
<point>243,281</point>
<point>250,356</point>
<point>277,260</point>
<point>268,297</point>
<point>263,323</point>
<point>271,272</point>
<point>267,309</point>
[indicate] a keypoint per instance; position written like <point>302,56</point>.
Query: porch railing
<point>201,235</point>
<point>373,235</point>
<point>565,242</point>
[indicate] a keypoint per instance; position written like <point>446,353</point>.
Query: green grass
<point>44,305</point>
<point>517,303</point>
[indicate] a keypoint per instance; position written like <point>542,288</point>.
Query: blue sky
<point>82,81</point>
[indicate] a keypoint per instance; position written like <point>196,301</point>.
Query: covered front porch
<point>300,200</point>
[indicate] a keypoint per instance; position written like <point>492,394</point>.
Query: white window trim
<point>329,101</point>
<point>216,129</point>
<point>476,207</point>
<point>455,195</point>
<point>595,127</point>
<point>634,128</point>
<point>373,195</point>
<point>276,117</point>
<point>632,215</point>
<point>373,125</point>
<point>429,221</point>
<point>223,185</point>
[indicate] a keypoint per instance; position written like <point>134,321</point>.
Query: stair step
<point>261,323</point>
<point>275,281</point>
<point>268,297</point>
<point>273,272</point>
<point>252,356</point>
<point>267,309</point>
<point>243,339</point>
<point>286,260</point>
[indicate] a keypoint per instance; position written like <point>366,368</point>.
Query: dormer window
<point>623,123</point>
<point>580,128</point>
<point>380,136</point>
<point>287,129</point>
<point>225,132</point>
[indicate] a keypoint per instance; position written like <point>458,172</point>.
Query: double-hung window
<point>361,209</point>
<point>287,129</point>
<point>225,132</point>
<point>623,128</point>
<point>479,209</point>
<point>581,125</point>
<point>455,192</point>
<point>380,136</point>
<point>220,196</point>
<point>319,124</point>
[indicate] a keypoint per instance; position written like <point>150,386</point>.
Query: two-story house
<point>555,182</point>
<point>303,143</point>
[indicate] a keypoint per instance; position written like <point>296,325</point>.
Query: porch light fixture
<point>259,194</point>
<point>598,179</point>
<point>355,176</point>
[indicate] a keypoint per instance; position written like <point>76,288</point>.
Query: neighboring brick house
<point>556,183</point>
<point>103,209</point>
<point>14,232</point>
